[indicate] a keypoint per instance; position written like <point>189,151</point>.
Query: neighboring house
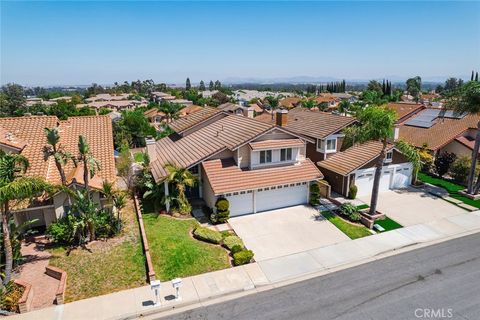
<point>356,165</point>
<point>405,110</point>
<point>322,128</point>
<point>182,102</point>
<point>155,117</point>
<point>107,97</point>
<point>115,105</point>
<point>25,135</point>
<point>34,101</point>
<point>158,96</point>
<point>450,132</point>
<point>64,98</point>
<point>237,109</point>
<point>345,96</point>
<point>289,102</point>
<point>257,166</point>
<point>115,116</point>
<point>189,110</point>
<point>328,100</point>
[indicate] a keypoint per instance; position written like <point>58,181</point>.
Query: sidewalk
<point>131,303</point>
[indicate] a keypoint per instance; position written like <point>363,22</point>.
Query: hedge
<point>232,241</point>
<point>242,257</point>
<point>207,235</point>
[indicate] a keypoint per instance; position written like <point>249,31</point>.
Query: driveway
<point>286,231</point>
<point>413,206</point>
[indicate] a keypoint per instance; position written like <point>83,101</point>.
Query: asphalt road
<point>436,282</point>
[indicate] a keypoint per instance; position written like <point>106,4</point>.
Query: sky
<point>79,43</point>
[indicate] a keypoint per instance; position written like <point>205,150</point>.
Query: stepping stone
<point>467,207</point>
<point>452,200</point>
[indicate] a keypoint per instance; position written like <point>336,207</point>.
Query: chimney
<point>396,133</point>
<point>281,118</point>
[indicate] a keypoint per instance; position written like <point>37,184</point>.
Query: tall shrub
<point>443,162</point>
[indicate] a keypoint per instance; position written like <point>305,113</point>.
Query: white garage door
<point>364,181</point>
<point>402,177</point>
<point>241,204</point>
<point>286,196</point>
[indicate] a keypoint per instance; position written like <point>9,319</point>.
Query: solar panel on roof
<point>427,117</point>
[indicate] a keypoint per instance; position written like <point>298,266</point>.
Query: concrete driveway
<point>413,206</point>
<point>286,231</point>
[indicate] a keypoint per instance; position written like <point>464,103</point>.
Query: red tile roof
<point>225,176</point>
<point>353,158</point>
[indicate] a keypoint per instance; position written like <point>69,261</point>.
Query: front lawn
<point>107,266</point>
<point>451,187</point>
<point>352,231</point>
<point>388,224</point>
<point>175,253</point>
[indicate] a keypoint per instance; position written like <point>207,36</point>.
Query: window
<point>320,144</point>
<point>265,156</point>
<point>389,156</point>
<point>331,144</point>
<point>235,193</point>
<point>286,154</point>
<point>194,170</point>
<point>249,191</point>
<point>242,192</point>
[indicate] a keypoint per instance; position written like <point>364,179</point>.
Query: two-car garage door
<point>267,198</point>
<point>393,177</point>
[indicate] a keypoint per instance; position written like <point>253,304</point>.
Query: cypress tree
<point>476,76</point>
<point>188,85</point>
<point>471,78</point>
<point>201,87</point>
<point>211,86</point>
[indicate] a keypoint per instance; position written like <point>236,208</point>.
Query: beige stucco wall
<point>207,191</point>
<point>457,148</point>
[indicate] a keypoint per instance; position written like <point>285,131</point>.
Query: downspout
<point>165,188</point>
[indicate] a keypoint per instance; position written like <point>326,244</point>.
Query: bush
<point>63,230</point>
<point>351,211</point>
<point>242,257</point>
<point>207,235</point>
<point>223,212</point>
<point>9,296</point>
<point>460,169</point>
<point>352,192</point>
<point>443,162</point>
<point>237,248</point>
<point>314,194</point>
<point>232,241</point>
<point>426,159</point>
<point>222,204</point>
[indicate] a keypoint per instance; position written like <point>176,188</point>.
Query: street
<point>436,282</point>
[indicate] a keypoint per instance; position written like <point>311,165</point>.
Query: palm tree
<point>181,178</point>
<point>171,110</point>
<point>55,150</point>
<point>13,186</point>
<point>376,124</point>
<point>87,209</point>
<point>467,100</point>
<point>90,164</point>
<point>344,106</point>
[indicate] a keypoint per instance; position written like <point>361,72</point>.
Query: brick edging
<point>25,301</point>
<point>60,275</point>
<point>146,248</point>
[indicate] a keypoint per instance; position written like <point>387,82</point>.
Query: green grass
<point>451,187</point>
<point>388,224</point>
<point>108,266</point>
<point>352,231</point>
<point>363,206</point>
<point>138,157</point>
<point>175,253</point>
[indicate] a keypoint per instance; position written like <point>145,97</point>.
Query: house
<point>35,101</point>
<point>322,128</point>
<point>64,98</point>
<point>437,131</point>
<point>155,117</point>
<point>107,97</point>
<point>343,96</point>
<point>356,165</point>
<point>191,122</point>
<point>158,96</point>
<point>237,109</point>
<point>326,100</point>
<point>189,109</point>
<point>289,102</point>
<point>257,166</point>
<point>25,135</point>
<point>115,105</point>
<point>405,110</point>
